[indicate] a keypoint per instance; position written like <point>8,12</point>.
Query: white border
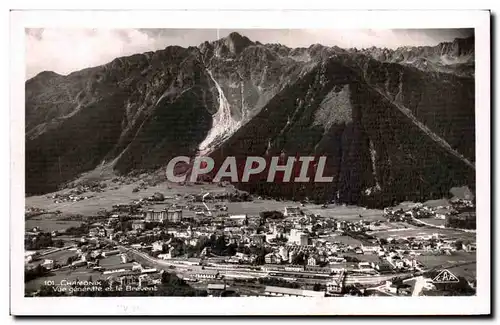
<point>480,304</point>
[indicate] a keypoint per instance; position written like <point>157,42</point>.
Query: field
<point>115,194</point>
<point>436,222</point>
<point>81,273</point>
<point>447,260</point>
<point>122,194</point>
<point>364,257</point>
<point>51,224</point>
<point>414,231</point>
<point>347,240</point>
<point>59,257</point>
<point>468,269</point>
<point>114,262</point>
<point>350,213</point>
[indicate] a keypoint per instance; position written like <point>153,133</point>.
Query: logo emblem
<point>445,276</point>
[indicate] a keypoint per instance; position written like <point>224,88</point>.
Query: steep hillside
<point>376,153</point>
<point>390,131</point>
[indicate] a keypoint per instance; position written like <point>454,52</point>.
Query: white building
<point>374,248</point>
<point>297,237</point>
<point>288,292</point>
<point>48,264</point>
<point>311,261</point>
<point>283,253</point>
<point>157,246</point>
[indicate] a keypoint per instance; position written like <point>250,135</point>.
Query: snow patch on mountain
<point>223,123</point>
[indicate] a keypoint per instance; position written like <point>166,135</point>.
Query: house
<point>370,248</point>
<point>292,212</point>
<point>138,225</point>
<point>398,288</point>
<point>382,267</point>
<point>110,253</point>
<point>48,264</point>
<point>216,288</point>
<point>238,220</point>
<point>79,263</point>
<point>157,246</point>
<point>312,261</point>
<point>86,256</point>
<point>258,239</point>
<point>333,287</point>
<point>298,237</point>
<point>146,280</point>
<point>93,232</point>
<point>469,247</point>
<point>124,258</point>
<point>128,280</point>
<point>272,258</point>
<point>365,267</point>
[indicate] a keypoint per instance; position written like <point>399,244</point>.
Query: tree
<point>70,260</point>
<point>59,243</point>
<point>299,259</point>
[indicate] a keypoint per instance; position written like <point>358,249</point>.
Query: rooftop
<point>297,292</point>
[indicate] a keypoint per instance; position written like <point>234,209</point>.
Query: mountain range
<point>394,124</point>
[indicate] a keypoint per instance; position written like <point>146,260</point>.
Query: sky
<point>67,50</point>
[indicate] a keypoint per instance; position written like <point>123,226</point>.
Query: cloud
<point>67,50</point>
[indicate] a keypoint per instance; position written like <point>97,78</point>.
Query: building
<point>216,288</point>
<point>48,264</point>
<point>174,216</point>
<point>291,256</point>
<point>79,263</point>
<point>157,246</point>
<point>370,248</point>
<point>337,284</point>
<point>258,239</point>
<point>205,274</point>
<point>110,253</point>
<point>272,258</point>
<point>382,267</point>
<point>154,216</point>
<point>297,237</point>
<point>238,220</point>
<point>138,225</point>
<point>283,253</point>
<point>128,280</point>
<point>124,258</point>
<point>163,216</point>
<point>303,239</point>
<point>288,292</point>
<point>311,261</point>
<point>292,212</point>
<point>469,247</point>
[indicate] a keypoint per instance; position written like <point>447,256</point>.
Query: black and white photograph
<point>238,164</point>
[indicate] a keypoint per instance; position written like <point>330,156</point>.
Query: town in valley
<point>134,236</point>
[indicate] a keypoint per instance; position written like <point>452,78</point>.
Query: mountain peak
<point>236,42</point>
